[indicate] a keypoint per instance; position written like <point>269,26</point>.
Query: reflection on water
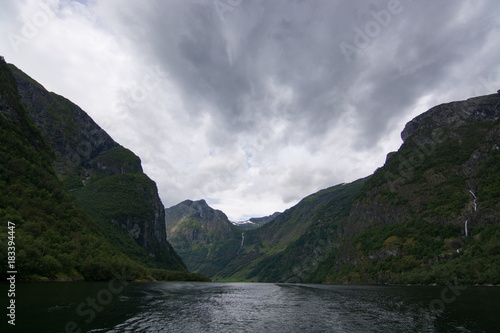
<point>247,307</point>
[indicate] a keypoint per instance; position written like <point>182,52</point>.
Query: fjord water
<point>253,307</point>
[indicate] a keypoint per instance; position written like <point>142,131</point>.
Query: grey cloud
<point>223,65</point>
<point>297,44</point>
<point>265,79</point>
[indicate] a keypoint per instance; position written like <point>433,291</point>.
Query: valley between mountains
<point>85,210</point>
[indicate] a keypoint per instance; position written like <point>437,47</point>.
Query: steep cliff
<point>452,115</point>
<point>438,171</point>
<point>105,178</point>
<point>71,133</point>
<point>433,209</point>
<point>53,238</point>
<point>203,237</point>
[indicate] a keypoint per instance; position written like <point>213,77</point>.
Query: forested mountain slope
<point>81,204</point>
<point>432,212</point>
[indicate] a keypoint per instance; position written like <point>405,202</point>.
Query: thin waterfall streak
<point>242,241</point>
<point>475,200</point>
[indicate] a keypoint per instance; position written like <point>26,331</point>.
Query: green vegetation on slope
<point>420,252</point>
<point>203,237</point>
<point>53,237</point>
<point>439,186</point>
<point>111,199</point>
<point>298,244</point>
<point>490,181</point>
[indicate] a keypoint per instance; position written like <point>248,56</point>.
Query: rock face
<point>444,150</point>
<point>72,134</point>
<point>203,237</point>
<point>105,178</point>
<point>444,179</point>
<point>455,114</point>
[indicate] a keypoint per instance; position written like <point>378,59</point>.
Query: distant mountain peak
<point>255,222</point>
<point>201,235</point>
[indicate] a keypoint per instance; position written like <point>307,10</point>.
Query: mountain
<point>292,247</point>
<point>209,244</point>
<point>203,237</point>
<point>105,178</point>
<point>83,208</point>
<point>255,222</point>
<point>430,214</point>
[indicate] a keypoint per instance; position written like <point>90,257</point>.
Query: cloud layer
<point>249,104</point>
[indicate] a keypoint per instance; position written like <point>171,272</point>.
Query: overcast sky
<point>253,105</point>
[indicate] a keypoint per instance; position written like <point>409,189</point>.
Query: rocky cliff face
<point>420,207</point>
<point>437,171</point>
<point>203,237</point>
<point>72,134</point>
<point>77,140</point>
<point>54,238</point>
<point>454,114</point>
<point>105,178</point>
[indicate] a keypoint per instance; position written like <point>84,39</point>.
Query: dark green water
<point>247,307</point>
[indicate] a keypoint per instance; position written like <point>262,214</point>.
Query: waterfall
<point>475,200</point>
<point>475,209</point>
<point>241,246</point>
